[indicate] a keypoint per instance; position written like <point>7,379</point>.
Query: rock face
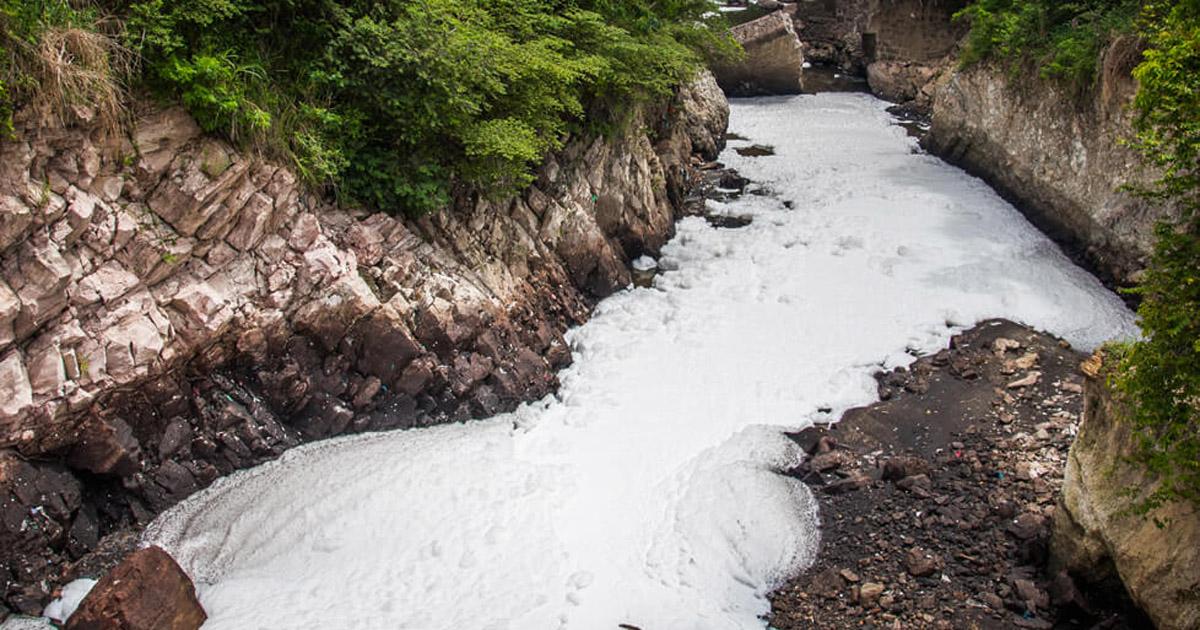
<point>147,591</point>
<point>1094,537</point>
<point>832,31</point>
<point>172,310</point>
<point>774,62</point>
<point>1061,161</point>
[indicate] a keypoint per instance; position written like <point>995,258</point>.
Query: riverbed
<point>646,491</point>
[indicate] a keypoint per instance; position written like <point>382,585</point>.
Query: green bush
<point>1062,39</point>
<point>1160,375</point>
<point>394,103</point>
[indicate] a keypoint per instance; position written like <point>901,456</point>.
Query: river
<point>646,491</point>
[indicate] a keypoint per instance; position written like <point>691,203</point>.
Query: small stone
<point>1027,526</point>
<point>1028,380</point>
<point>856,481</point>
<point>848,575</point>
<point>869,593</point>
<point>916,484</point>
<point>897,468</point>
<point>920,563</point>
<point>1029,593</point>
<point>1004,344</point>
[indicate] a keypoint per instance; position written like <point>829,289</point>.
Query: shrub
<point>55,57</point>
<point>394,103</point>
<point>1062,39</point>
<point>1160,375</point>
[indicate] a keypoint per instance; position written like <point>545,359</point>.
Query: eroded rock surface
<point>1097,538</point>
<point>172,310</point>
<point>1061,159</point>
<point>774,61</point>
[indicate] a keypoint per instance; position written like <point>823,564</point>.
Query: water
<point>646,492</point>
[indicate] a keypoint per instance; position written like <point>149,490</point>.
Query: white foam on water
<point>646,491</point>
<point>73,593</point>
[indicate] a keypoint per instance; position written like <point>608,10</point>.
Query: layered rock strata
<point>172,310</point>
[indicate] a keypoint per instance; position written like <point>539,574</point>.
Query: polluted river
<point>647,492</point>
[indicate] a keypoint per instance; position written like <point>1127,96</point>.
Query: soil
<point>936,502</point>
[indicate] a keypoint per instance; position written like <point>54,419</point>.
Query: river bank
<point>936,502</point>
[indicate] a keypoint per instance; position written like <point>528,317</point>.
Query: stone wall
<point>1095,536</point>
<point>1057,155</point>
<point>172,310</point>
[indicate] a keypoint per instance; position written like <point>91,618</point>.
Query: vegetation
<point>55,57</point>
<point>1062,39</point>
<point>1159,376</point>
<point>392,103</point>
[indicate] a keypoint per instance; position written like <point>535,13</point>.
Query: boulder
<point>774,61</point>
<point>1096,537</point>
<point>900,81</point>
<point>147,591</point>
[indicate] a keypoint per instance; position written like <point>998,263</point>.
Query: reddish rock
<point>147,591</point>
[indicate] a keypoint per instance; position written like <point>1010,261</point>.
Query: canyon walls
<point>1058,155</point>
<point>172,309</point>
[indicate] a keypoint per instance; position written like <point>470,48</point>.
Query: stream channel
<point>646,492</point>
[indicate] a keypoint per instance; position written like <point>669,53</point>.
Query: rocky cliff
<point>172,310</point>
<point>1057,154</point>
<point>1097,538</point>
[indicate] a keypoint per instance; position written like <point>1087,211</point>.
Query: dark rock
<point>856,481</point>
<point>1027,526</point>
<point>896,468</point>
<point>105,446</point>
<point>147,591</point>
<point>921,563</point>
<point>917,484</point>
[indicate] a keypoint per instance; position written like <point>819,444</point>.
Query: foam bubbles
<point>646,491</point>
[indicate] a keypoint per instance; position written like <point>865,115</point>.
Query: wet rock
<point>105,446</point>
<point>917,484</point>
<point>147,591</point>
<point>897,468</point>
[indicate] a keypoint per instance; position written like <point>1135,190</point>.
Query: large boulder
<point>147,591</point>
<point>1097,538</point>
<point>774,61</point>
